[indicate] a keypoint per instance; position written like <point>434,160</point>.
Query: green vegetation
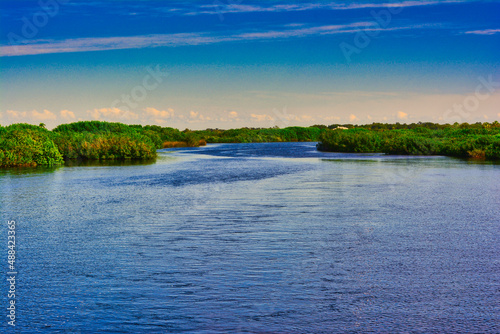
<point>107,146</point>
<point>31,145</point>
<point>479,140</point>
<point>27,145</point>
<point>259,135</point>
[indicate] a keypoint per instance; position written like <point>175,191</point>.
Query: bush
<point>27,145</point>
<point>119,146</point>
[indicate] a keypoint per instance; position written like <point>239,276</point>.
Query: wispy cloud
<point>221,8</point>
<point>401,4</point>
<point>321,30</point>
<point>105,43</point>
<point>35,47</point>
<point>484,32</point>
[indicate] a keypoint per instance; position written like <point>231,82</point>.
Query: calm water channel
<point>255,238</point>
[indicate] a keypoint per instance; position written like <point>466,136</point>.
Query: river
<point>255,238</point>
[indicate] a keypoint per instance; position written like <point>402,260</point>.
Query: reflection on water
<point>74,163</point>
<point>71,163</point>
<point>27,170</point>
<point>257,238</point>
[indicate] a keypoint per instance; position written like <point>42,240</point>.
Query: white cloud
<point>34,116</point>
<point>154,116</point>
<point>402,115</point>
<point>159,114</point>
<point>484,32</point>
<point>321,30</point>
<point>352,118</point>
<point>261,118</point>
<point>222,8</point>
<point>229,116</point>
<point>68,115</point>
<point>195,116</point>
<point>14,115</point>
<point>43,116</point>
<point>112,114</point>
<point>35,47</point>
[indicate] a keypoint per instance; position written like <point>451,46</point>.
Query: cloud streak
<point>24,47</point>
<point>221,9</point>
<point>36,47</point>
<point>484,32</point>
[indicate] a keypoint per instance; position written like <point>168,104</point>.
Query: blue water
<point>255,238</point>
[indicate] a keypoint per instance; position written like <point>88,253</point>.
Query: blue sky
<point>234,63</point>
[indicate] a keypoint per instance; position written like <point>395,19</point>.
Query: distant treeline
<point>31,145</point>
<point>259,135</point>
<point>479,140</point>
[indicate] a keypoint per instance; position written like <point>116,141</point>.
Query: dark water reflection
<point>79,163</point>
<point>257,238</point>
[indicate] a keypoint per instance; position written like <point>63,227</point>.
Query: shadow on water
<point>356,158</point>
<point>28,170</point>
<point>72,163</point>
<point>382,157</point>
<point>472,161</point>
<point>107,163</point>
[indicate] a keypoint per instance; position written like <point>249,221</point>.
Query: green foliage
<point>27,145</point>
<point>355,140</point>
<point>259,135</point>
<point>24,144</point>
<point>94,127</point>
<point>479,140</point>
<point>110,146</point>
<point>156,134</point>
<point>191,139</point>
<point>30,145</point>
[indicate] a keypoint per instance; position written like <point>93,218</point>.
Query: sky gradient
<point>235,63</point>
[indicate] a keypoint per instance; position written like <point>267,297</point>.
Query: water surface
<point>256,238</point>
